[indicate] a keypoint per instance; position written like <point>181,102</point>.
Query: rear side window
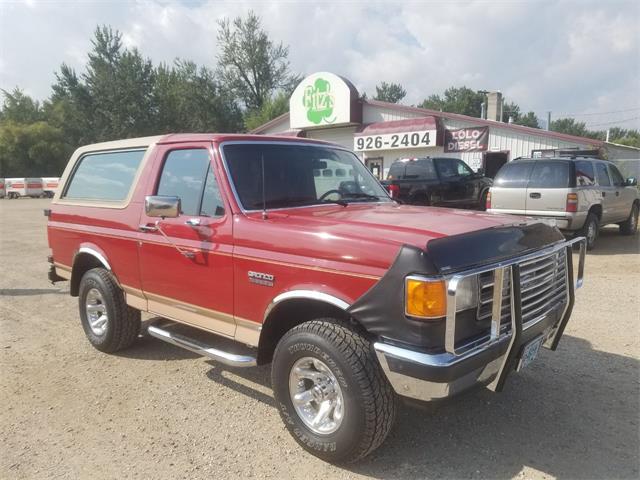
<point>183,175</point>
<point>616,176</point>
<point>396,170</point>
<point>585,175</point>
<point>602,175</point>
<point>513,175</point>
<point>104,176</point>
<point>549,175</point>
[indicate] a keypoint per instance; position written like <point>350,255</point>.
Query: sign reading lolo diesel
<point>323,99</point>
<point>392,141</point>
<point>466,140</point>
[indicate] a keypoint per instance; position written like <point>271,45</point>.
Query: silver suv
<point>575,194</point>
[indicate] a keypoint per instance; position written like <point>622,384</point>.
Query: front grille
<point>543,286</point>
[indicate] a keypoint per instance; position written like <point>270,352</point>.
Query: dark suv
<point>444,182</point>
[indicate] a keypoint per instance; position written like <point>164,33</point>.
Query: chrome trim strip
<point>450,322</point>
<point>98,255</point>
<point>496,313</point>
<point>307,295</point>
<point>195,346</point>
<point>504,359</point>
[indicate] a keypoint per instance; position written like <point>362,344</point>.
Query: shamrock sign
<point>318,101</point>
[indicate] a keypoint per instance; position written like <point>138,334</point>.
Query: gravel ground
<point>155,411</point>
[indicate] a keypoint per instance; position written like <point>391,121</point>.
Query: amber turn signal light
<point>426,298</point>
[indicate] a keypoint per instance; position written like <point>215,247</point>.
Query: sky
<point>578,58</point>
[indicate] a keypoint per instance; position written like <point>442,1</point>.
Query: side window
<point>616,176</point>
<point>602,175</point>
<point>104,176</point>
<point>447,167</point>
<point>549,174</point>
<point>513,175</point>
<point>585,176</point>
<point>183,175</point>
<point>463,169</point>
<point>212,205</point>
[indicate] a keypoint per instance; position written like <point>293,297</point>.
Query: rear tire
<point>108,322</point>
<point>324,362</point>
<point>630,225</point>
<point>590,230</point>
<point>483,201</point>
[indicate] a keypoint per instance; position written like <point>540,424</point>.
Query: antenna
<point>264,194</point>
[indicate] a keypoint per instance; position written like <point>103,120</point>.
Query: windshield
<point>298,175</point>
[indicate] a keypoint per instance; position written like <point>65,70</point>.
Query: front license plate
<point>530,352</point>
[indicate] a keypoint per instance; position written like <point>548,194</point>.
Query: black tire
<point>483,201</point>
<point>592,221</point>
<point>630,225</point>
<point>369,400</point>
<point>123,324</point>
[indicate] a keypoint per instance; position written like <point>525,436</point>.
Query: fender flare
<point>305,295</point>
<point>94,253</point>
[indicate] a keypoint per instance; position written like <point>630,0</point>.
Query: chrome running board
<point>196,346</point>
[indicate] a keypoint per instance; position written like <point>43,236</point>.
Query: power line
<point>595,113</point>
<point>612,123</point>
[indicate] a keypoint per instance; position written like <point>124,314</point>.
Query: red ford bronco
<point>294,250</point>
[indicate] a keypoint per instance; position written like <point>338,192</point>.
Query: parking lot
<point>155,411</point>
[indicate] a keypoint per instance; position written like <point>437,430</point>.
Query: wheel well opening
<point>289,314</point>
<point>81,265</point>
<point>597,209</point>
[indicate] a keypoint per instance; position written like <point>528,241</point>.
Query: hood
<point>367,235</point>
<point>393,223</point>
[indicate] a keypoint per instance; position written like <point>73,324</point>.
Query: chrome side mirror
<point>631,182</point>
<point>162,206</point>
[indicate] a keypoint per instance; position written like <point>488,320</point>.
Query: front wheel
<point>331,392</point>
<point>630,225</point>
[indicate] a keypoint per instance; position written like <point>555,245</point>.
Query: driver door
<point>459,182</point>
<point>186,275</point>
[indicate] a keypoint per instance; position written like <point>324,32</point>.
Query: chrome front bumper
<point>488,360</point>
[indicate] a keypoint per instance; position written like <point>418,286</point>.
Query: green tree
<point>18,107</point>
<point>512,110</point>
<point>271,109</point>
<point>390,92</point>
<point>250,64</point>
<point>190,99</point>
<point>460,100</point>
<point>624,136</point>
<point>32,149</point>
<point>571,126</point>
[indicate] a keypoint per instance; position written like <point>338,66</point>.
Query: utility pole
<point>549,120</point>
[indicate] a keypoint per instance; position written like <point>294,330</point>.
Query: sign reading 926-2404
<point>391,141</point>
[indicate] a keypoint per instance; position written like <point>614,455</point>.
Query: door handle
<point>535,195</point>
<point>148,228</point>
<point>604,194</point>
<point>617,193</point>
<point>193,222</point>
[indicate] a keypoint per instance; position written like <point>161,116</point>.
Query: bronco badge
<point>260,278</point>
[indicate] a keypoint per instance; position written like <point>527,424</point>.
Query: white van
<point>50,185</point>
<point>24,187</point>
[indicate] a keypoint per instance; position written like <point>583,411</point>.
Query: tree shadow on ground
<point>611,242</point>
<point>573,414</point>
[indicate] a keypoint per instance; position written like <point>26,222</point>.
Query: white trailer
<point>50,186</point>
<point>24,187</point>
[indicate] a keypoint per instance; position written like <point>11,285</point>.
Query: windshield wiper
<point>363,195</point>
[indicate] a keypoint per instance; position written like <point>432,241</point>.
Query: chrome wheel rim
<point>316,395</point>
<point>591,233</point>
<point>96,312</point>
